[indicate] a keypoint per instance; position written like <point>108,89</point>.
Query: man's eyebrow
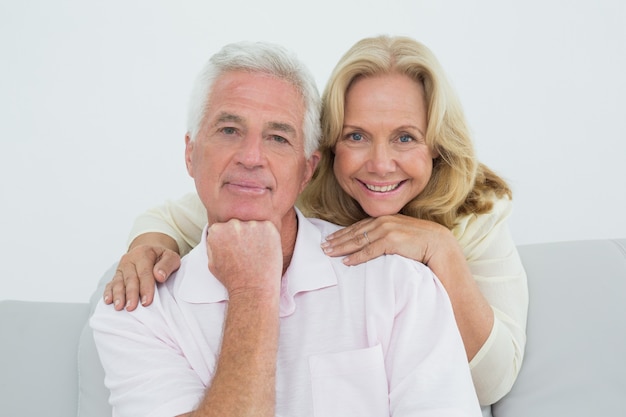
<point>228,117</point>
<point>282,127</point>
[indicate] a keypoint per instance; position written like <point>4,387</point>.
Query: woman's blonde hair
<point>459,184</point>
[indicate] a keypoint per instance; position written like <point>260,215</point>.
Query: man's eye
<point>279,139</point>
<point>229,130</point>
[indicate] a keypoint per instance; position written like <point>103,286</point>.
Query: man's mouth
<point>247,187</point>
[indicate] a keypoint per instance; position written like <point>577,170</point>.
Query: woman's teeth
<point>382,189</point>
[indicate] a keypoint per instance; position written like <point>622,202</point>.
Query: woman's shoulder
<point>475,226</point>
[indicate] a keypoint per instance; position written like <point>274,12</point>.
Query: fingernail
<point>117,303</point>
<point>107,298</point>
<point>325,244</point>
<point>127,303</point>
<point>346,261</point>
<point>144,299</point>
<point>161,272</point>
<point>327,249</point>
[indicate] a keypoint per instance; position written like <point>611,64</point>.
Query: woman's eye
<point>357,137</point>
<point>405,139</point>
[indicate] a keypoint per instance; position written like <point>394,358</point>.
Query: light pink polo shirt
<point>376,339</point>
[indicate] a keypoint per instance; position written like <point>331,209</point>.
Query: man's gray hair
<point>266,58</point>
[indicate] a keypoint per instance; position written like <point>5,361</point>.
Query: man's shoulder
<point>193,282</point>
<point>399,266</point>
<point>389,273</point>
<point>323,226</point>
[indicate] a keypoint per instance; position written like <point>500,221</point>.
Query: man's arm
<point>426,360</point>
<point>146,369</point>
<point>245,378</point>
<point>247,258</point>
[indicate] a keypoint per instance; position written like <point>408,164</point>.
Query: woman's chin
<point>377,210</point>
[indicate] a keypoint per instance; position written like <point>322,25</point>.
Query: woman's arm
<point>497,269</point>
<point>433,245</point>
<point>151,257</point>
<point>182,220</point>
<point>157,240</point>
<point>478,265</point>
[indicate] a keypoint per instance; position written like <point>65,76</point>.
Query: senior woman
<point>398,169</point>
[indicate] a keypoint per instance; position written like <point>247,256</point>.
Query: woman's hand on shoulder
<point>393,234</point>
<point>137,272</point>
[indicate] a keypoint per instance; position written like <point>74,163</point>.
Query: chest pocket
<point>350,383</point>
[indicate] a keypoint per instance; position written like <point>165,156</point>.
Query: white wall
<point>93,98</point>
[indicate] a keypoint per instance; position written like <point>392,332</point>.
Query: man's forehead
<point>256,99</point>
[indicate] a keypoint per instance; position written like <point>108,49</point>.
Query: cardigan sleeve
<point>497,268</point>
<point>182,220</point>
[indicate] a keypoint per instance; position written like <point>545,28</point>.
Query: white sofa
<point>575,362</point>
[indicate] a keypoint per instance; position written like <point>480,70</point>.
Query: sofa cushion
<point>93,396</point>
<point>574,364</point>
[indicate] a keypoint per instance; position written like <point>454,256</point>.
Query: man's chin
<point>245,215</point>
<point>251,214</point>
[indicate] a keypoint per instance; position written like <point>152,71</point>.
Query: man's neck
<point>288,235</point>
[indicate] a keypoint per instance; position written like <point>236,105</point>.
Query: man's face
<point>248,158</point>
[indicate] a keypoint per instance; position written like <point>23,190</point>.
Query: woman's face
<point>381,157</point>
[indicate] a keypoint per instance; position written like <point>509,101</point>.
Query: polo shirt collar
<point>310,269</point>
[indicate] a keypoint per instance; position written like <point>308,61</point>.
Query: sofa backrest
<point>38,352</point>
<point>575,359</point>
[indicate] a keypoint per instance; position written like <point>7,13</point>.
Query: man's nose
<point>251,153</point>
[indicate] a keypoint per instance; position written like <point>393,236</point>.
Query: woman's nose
<point>381,160</point>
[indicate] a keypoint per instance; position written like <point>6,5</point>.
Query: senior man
<point>258,321</point>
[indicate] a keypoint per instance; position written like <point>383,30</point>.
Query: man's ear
<point>189,144</point>
<point>311,165</point>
